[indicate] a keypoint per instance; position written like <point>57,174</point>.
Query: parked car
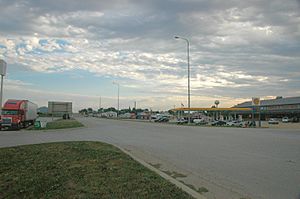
<point>218,123</point>
<point>249,124</point>
<point>200,121</point>
<point>235,123</point>
<point>182,121</point>
<point>294,119</point>
<point>285,120</point>
<point>162,119</point>
<point>273,121</point>
<point>231,123</point>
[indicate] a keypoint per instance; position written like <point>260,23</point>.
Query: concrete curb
<point>185,188</point>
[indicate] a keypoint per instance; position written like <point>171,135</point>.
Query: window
<point>9,112</point>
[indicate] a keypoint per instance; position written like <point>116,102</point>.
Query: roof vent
<point>279,97</point>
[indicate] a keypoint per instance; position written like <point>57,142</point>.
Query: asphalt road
<point>230,162</point>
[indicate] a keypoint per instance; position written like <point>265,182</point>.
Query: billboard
<point>60,108</point>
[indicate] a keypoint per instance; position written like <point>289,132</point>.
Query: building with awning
<point>275,108</point>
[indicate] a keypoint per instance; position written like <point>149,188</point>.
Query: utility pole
<point>100,103</point>
<point>100,111</point>
<point>3,66</point>
<point>118,98</point>
<point>188,65</point>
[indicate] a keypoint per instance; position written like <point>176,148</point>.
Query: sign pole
<point>1,97</point>
<point>255,105</point>
<point>253,115</point>
<point>259,117</point>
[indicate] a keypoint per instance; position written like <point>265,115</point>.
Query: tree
<point>90,110</point>
<point>83,111</point>
<point>171,112</point>
<point>110,109</point>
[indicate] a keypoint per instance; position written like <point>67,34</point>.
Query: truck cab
<point>17,114</point>
<point>12,118</point>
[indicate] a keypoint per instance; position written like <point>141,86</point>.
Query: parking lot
<point>282,125</point>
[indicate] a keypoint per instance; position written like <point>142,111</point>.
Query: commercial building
<point>274,108</point>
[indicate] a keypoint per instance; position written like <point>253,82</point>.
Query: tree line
<point>104,110</point>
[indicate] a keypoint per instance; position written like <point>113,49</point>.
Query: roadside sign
<point>37,124</point>
<point>255,101</point>
<point>2,67</point>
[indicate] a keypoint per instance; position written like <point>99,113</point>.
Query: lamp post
<point>188,63</point>
<point>118,97</point>
<point>2,73</point>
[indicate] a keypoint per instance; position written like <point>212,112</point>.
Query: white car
<point>285,119</point>
<point>182,121</point>
<point>273,121</point>
<point>235,123</point>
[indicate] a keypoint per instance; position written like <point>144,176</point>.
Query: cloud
<point>239,49</point>
<point>16,89</point>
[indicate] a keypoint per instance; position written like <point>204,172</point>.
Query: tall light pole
<point>2,73</point>
<point>188,64</point>
<point>116,83</point>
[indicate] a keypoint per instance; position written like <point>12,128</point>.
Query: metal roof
<point>272,102</point>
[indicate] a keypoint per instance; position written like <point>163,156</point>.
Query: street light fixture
<point>188,63</point>
<point>116,83</point>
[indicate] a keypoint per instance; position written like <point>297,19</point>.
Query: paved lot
<point>230,162</point>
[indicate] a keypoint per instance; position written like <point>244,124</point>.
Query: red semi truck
<point>17,114</point>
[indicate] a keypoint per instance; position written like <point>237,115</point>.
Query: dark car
<point>162,119</point>
<point>218,123</point>
<point>294,119</point>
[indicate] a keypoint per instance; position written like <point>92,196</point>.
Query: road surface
<point>230,162</point>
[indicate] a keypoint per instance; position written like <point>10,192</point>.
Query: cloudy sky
<point>74,50</point>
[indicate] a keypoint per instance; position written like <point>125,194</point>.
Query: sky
<point>74,50</point>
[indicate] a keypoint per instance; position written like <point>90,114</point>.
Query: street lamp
<point>188,63</point>
<point>116,83</point>
<point>2,73</point>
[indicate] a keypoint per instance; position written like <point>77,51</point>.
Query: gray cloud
<point>238,48</point>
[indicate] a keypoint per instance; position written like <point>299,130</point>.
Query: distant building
<point>276,108</point>
<point>143,115</point>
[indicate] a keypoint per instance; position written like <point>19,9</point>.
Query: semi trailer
<point>17,114</point>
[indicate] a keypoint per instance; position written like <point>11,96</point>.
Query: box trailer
<point>17,114</point>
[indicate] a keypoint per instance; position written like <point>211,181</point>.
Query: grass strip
<point>78,170</point>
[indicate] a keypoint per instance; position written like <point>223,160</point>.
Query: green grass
<point>78,170</point>
<point>59,124</point>
<point>62,124</point>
